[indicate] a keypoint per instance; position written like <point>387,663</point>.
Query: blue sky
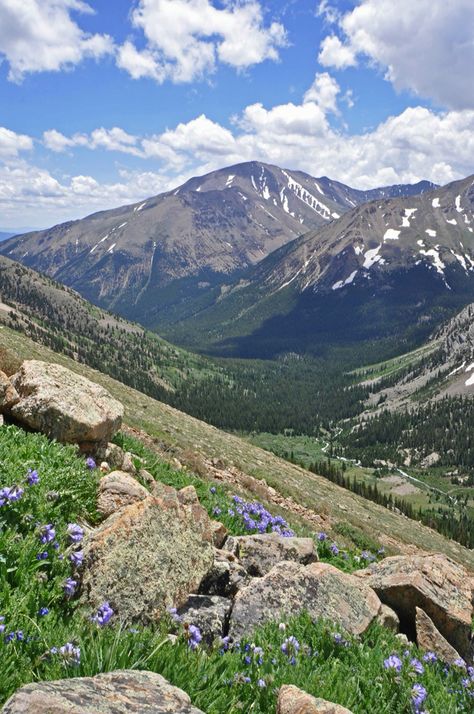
<point>104,103</point>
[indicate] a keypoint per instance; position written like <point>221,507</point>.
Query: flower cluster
<point>103,615</point>
<point>194,636</point>
<point>257,519</point>
<point>69,653</point>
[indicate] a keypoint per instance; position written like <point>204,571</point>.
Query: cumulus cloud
<point>324,92</point>
<point>186,38</point>
<point>422,46</point>
<point>12,143</point>
<point>40,35</point>
<point>115,139</point>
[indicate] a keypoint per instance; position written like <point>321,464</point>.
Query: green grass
<point>236,680</point>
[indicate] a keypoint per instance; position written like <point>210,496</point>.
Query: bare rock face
<point>120,692</point>
<point>292,700</point>
<point>388,618</point>
<point>8,394</point>
<point>433,583</point>
<point>259,553</point>
<point>64,405</point>
<point>118,489</point>
<point>146,557</point>
<point>208,612</point>
<point>431,640</point>
<point>319,589</point>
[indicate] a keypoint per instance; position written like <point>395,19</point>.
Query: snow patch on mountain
<point>391,234</point>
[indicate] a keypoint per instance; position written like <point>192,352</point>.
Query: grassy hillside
<point>298,491</point>
<point>47,636</point>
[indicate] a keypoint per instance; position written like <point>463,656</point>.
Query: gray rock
<point>147,557</point>
<point>219,533</point>
<point>292,700</point>
<point>118,489</point>
<point>319,589</point>
<point>259,553</point>
<point>432,582</point>
<point>64,405</point>
<point>120,692</point>
<point>226,577</point>
<point>127,463</point>
<point>208,612</point>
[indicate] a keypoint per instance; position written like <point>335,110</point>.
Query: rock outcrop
<point>319,589</point>
<point>226,577</point>
<point>64,406</point>
<point>120,692</point>
<point>430,639</point>
<point>147,557</point>
<point>433,583</point>
<point>8,394</point>
<point>292,700</point>
<point>259,553</point>
<point>118,489</point>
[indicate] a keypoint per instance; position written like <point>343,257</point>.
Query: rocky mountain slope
<point>162,255</point>
<point>384,268</point>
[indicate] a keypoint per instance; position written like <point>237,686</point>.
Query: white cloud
<point>40,35</point>
<point>186,38</point>
<point>324,92</point>
<point>424,46</point>
<point>334,54</point>
<point>115,139</point>
<point>12,143</point>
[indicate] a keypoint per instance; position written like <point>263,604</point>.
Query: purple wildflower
<point>418,695</point>
<point>430,657</point>
<point>393,662</point>
<point>417,666</point>
<point>70,654</point>
<point>322,537</point>
<point>334,549</point>
<point>174,614</point>
<point>290,646</point>
<point>104,613</point>
<point>42,556</point>
<point>76,558</point>
<point>69,587</point>
<point>75,532</point>
<point>32,477</point>
<point>43,611</point>
<point>47,533</point>
<point>194,636</point>
<point>90,463</point>
<point>213,489</point>
<point>261,683</point>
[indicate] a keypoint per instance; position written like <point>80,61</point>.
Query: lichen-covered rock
<point>430,639</point>
<point>226,577</point>
<point>208,612</point>
<point>434,583</point>
<point>259,553</point>
<point>127,463</point>
<point>188,495</point>
<point>118,489</point>
<point>120,692</point>
<point>292,700</point>
<point>64,405</point>
<point>114,456</point>
<point>8,394</point>
<point>147,557</point>
<point>320,589</point>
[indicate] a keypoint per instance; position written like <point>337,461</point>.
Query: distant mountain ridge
<point>149,259</point>
<point>384,269</point>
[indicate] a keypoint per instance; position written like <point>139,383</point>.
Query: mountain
<point>5,234</point>
<point>159,259</point>
<point>390,269</point>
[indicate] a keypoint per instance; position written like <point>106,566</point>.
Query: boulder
<point>430,639</point>
<point>114,456</point>
<point>120,692</point>
<point>118,489</point>
<point>127,463</point>
<point>292,700</point>
<point>208,612</point>
<point>388,618</point>
<point>8,394</point>
<point>219,533</point>
<point>147,557</point>
<point>435,584</point>
<point>259,553</point>
<point>188,495</point>
<point>226,577</point>
<point>64,405</point>
<point>320,589</point>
